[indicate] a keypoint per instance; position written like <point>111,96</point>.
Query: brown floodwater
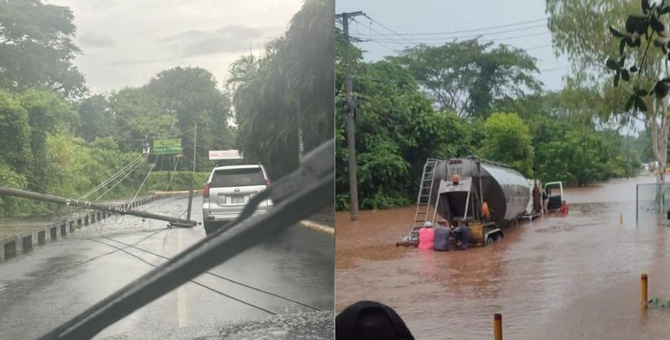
<point>572,277</point>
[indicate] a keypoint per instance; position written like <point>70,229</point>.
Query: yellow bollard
<point>643,291</point>
<point>621,219</point>
<point>497,326</point>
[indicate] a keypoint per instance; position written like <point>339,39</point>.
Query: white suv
<point>228,190</point>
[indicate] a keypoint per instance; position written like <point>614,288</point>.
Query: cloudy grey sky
<point>519,23</point>
<point>126,42</point>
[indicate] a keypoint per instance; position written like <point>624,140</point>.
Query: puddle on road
<point>553,278</point>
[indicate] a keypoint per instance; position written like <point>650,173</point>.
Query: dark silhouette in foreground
<point>370,320</point>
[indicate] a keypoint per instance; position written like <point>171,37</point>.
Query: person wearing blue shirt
<point>462,234</point>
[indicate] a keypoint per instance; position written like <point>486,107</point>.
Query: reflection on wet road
<point>572,277</point>
<point>289,274</point>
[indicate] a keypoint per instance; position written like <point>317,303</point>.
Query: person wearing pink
<point>564,208</point>
<point>426,236</point>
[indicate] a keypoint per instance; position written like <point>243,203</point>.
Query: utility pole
<point>95,206</point>
<point>351,132</point>
<point>195,138</point>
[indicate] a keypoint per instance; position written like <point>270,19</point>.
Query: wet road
<point>46,287</point>
<point>572,277</point>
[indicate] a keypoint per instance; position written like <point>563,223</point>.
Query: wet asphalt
<point>280,288</point>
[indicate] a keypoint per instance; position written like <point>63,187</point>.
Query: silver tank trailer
<point>505,190</point>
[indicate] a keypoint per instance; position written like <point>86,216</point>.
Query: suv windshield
<point>237,177</point>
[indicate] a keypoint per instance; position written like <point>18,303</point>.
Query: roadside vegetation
<point>57,137</point>
<point>472,98</point>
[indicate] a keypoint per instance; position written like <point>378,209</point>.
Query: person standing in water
<point>426,236</point>
<point>564,208</point>
<point>462,234</point>
<point>537,199</point>
<point>442,233</point>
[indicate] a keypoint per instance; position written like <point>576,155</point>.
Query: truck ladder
<point>423,198</point>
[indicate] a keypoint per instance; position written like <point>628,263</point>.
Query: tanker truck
<point>487,195</point>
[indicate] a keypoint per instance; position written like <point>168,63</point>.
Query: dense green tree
<point>139,117</point>
<point>508,140</point>
<point>307,63</point>
<point>15,134</point>
<point>10,206</point>
<point>467,77</point>
<point>287,91</point>
<point>36,48</point>
<point>191,96</point>
<point>48,114</point>
<point>96,118</point>
<point>590,18</point>
<point>608,31</point>
<point>397,130</point>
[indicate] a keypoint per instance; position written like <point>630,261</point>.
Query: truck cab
<point>555,195</point>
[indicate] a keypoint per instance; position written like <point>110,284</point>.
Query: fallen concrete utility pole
<point>176,222</point>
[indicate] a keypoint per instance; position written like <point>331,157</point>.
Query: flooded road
<point>572,277</point>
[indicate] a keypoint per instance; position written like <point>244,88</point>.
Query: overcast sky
<point>126,42</point>
<point>436,22</point>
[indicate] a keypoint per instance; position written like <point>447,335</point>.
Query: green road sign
<point>166,147</point>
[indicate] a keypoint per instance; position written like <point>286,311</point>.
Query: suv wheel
<point>210,227</point>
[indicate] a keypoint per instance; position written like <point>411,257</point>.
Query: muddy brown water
<point>572,277</point>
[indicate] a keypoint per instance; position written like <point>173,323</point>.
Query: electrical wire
<point>125,167</point>
<point>447,35</point>
<point>389,39</point>
<point>299,194</point>
<point>192,281</point>
<point>222,277</point>
<point>557,68</point>
<point>444,40</point>
<point>80,263</point>
<point>538,47</point>
<point>373,41</point>
<point>473,36</point>
<point>141,186</point>
<point>467,31</point>
<point>119,181</point>
<point>431,38</point>
<point>133,163</point>
<point>382,25</point>
<point>172,174</point>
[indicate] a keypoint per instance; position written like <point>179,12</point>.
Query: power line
<point>396,51</point>
<point>459,36</point>
<point>376,42</point>
<point>471,30</point>
<point>432,40</point>
<point>555,68</point>
<point>538,47</point>
<point>369,40</point>
<point>518,36</point>
<point>192,281</point>
<point>382,25</point>
<point>126,245</point>
<point>389,38</point>
<point>444,40</point>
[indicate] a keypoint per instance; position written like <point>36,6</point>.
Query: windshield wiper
<point>304,192</point>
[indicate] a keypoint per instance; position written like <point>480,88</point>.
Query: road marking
<point>318,227</point>
<point>181,298</point>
